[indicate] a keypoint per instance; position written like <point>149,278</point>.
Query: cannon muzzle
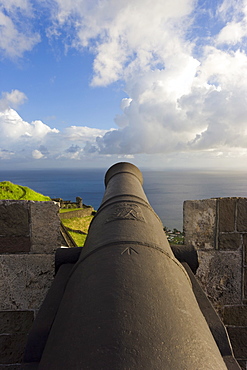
<point>127,303</point>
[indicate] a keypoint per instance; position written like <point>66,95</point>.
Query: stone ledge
<point>45,227</point>
<point>26,226</point>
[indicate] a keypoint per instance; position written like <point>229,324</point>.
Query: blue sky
<point>87,83</point>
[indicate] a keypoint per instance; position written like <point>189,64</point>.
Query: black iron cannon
<point>124,301</point>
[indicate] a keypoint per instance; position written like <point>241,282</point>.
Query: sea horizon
<point>166,190</point>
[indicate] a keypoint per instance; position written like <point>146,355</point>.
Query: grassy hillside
<point>78,228</point>
<point>8,190</point>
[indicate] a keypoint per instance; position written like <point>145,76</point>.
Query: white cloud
<point>37,154</point>
<point>176,102</point>
<point>11,5</point>
<point>5,154</point>
<point>14,128</point>
<point>232,33</point>
<point>16,35</point>
<point>234,14</point>
<point>13,99</point>
<point>19,139</point>
<point>121,35</point>
<point>24,140</point>
<point>179,99</point>
<point>80,133</point>
<point>209,111</point>
<point>16,134</point>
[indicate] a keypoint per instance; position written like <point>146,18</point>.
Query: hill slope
<point>8,190</point>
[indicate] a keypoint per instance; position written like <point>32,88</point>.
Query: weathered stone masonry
<point>29,235</point>
<point>218,230</point>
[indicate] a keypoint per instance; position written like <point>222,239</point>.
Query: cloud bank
<point>187,89</point>
<point>35,140</point>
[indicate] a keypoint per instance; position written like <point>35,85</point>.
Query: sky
<point>85,84</point>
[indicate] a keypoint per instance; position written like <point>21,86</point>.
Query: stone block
<point>229,241</point>
<point>235,315</point>
<point>238,338</point>
<point>199,223</point>
<point>14,226</point>
<point>227,210</point>
<point>25,280</point>
<point>16,321</point>
<point>45,227</point>
<point>12,348</point>
<point>220,274</point>
<point>245,284</point>
<point>245,248</point>
<point>14,220</point>
<point>242,214</point>
<point>15,244</point>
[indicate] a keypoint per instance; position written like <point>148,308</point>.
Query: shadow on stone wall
<point>217,228</point>
<point>30,234</point>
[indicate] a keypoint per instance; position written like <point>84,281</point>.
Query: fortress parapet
<point>124,301</point>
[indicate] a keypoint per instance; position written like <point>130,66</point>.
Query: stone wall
<point>68,204</point>
<point>86,211</point>
<point>29,235</point>
<point>217,228</point>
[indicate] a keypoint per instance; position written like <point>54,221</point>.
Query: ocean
<point>166,190</point>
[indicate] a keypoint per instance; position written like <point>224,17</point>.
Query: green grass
<point>82,224</point>
<point>64,210</point>
<point>78,238</point>
<point>78,223</point>
<point>175,236</point>
<point>176,239</point>
<point>8,190</point>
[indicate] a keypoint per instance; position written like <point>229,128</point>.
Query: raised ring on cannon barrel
<point>124,301</point>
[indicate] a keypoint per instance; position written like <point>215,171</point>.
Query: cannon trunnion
<point>124,301</point>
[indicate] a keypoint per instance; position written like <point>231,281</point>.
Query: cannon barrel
<point>128,302</point>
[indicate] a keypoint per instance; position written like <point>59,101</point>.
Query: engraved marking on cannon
<point>126,211</point>
<point>129,250</point>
